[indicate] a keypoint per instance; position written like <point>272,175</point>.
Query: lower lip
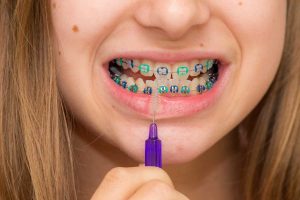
<point>167,106</point>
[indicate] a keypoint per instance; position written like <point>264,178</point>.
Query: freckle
<point>75,29</point>
<point>59,53</point>
<point>54,5</point>
<point>201,45</point>
<point>240,3</point>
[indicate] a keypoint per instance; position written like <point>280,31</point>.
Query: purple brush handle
<point>153,148</point>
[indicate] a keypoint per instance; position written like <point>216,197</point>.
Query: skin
<point>250,32</point>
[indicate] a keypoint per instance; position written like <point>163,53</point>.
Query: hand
<point>137,183</point>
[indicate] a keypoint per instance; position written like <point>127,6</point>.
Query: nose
<point>174,17</point>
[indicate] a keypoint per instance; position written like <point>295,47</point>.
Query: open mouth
<point>176,79</point>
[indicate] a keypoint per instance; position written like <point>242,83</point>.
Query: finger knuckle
<point>116,174</point>
<point>162,174</point>
<point>159,187</point>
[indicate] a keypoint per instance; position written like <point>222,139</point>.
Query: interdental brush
<point>153,144</point>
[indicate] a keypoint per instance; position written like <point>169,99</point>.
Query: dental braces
<point>163,86</point>
<point>181,70</point>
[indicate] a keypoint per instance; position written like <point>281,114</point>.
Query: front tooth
<point>195,68</point>
<point>149,87</point>
<point>181,71</point>
<point>185,87</point>
<point>131,85</point>
<point>162,70</point>
<point>140,84</point>
<point>174,86</point>
<point>161,85</point>
<point>163,89</point>
<point>145,68</point>
<point>193,86</point>
<point>149,83</point>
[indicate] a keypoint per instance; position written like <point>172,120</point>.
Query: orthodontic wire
<point>127,87</point>
<point>167,81</point>
<point>190,70</point>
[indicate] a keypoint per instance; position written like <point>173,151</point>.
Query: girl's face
<point>211,60</point>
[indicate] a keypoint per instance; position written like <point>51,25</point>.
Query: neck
<point>213,175</point>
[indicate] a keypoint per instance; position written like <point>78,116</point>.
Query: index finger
<point>120,183</point>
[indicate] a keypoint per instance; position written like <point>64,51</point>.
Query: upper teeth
<point>177,70</point>
<point>173,78</point>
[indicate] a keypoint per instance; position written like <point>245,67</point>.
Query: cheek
<point>81,26</point>
<point>258,27</point>
<point>261,38</point>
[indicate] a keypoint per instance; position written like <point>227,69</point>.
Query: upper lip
<point>170,57</point>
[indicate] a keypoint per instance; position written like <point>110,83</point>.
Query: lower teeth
<point>206,82</point>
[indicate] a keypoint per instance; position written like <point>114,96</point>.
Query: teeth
<point>123,77</point>
<point>162,85</point>
<point>205,77</point>
<point>126,63</point>
<point>195,68</point>
<point>122,62</point>
<point>193,85</point>
<point>131,85</point>
<point>174,86</point>
<point>208,85</point>
<point>213,78</point>
<point>149,83</point>
<point>202,81</point>
<point>135,65</point>
<point>181,71</point>
<point>162,70</point>
<point>131,64</point>
<point>119,61</point>
<point>149,87</point>
<point>209,63</point>
<point>124,80</point>
<point>145,68</point>
<point>201,87</point>
<point>163,89</point>
<point>130,81</point>
<point>141,85</point>
<point>185,87</point>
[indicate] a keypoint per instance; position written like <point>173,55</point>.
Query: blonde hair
<point>272,166</point>
<point>35,141</point>
<point>35,146</point>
